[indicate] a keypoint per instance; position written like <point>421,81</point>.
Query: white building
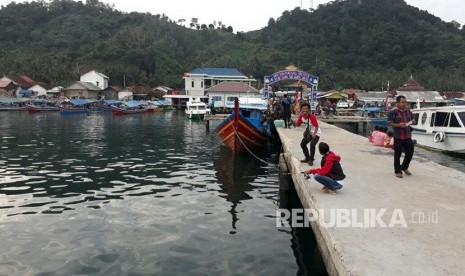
<point>39,90</point>
<point>96,78</point>
<point>200,79</point>
<point>223,94</point>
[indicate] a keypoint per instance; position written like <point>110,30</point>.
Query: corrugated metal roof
<point>410,96</point>
<point>24,81</point>
<point>83,85</point>
<point>424,96</point>
<point>230,72</point>
<point>232,86</point>
<point>5,83</point>
<point>411,85</point>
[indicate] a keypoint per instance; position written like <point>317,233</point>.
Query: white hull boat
<point>196,109</point>
<point>441,128</point>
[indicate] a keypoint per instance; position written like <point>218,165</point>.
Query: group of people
<point>382,137</point>
<point>330,172</point>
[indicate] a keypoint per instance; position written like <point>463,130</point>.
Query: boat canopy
<point>158,103</point>
<point>79,102</point>
<point>134,103</point>
<point>250,103</point>
<point>26,92</point>
<point>110,102</point>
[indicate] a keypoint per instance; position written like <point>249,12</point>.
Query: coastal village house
<point>96,78</point>
<point>7,87</point>
<point>197,81</point>
<point>22,85</point>
<point>54,92</point>
<point>223,94</point>
<point>111,92</point>
<point>414,93</point>
<point>81,90</point>
<point>39,90</point>
<point>90,86</point>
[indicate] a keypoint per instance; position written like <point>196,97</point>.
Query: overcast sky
<point>247,15</point>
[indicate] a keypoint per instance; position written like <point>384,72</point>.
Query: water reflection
<point>97,194</point>
<point>234,174</point>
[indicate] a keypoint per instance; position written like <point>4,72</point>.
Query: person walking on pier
<point>311,134</point>
<point>286,107</point>
<point>400,118</point>
<point>330,172</point>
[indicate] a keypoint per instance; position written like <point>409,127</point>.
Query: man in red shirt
<point>311,134</point>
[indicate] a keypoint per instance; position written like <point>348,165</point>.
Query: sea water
<point>141,194</point>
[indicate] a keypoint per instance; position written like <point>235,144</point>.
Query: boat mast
<point>236,123</point>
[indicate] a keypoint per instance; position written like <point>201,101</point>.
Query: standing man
<point>286,107</point>
<point>311,134</point>
<point>400,118</point>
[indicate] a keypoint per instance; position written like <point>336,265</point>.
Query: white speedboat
<point>196,109</point>
<point>441,128</point>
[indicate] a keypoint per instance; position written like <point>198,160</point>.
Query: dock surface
<point>431,200</point>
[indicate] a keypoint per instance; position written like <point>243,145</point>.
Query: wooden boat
<point>154,106</point>
<point>12,104</point>
<point>377,115</point>
<point>41,106</point>
<point>104,105</point>
<point>12,108</point>
<point>76,107</point>
<point>72,111</point>
<point>441,128</point>
<point>246,128</point>
<point>130,107</point>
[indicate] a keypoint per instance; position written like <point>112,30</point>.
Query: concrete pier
<point>376,241</point>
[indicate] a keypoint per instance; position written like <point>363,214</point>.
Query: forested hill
<point>353,43</point>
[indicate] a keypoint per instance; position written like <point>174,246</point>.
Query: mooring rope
<point>242,142</point>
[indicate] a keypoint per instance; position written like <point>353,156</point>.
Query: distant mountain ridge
<point>353,43</point>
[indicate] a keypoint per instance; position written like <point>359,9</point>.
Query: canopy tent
<point>111,102</point>
<point>134,103</point>
<point>25,92</point>
<point>79,102</point>
<point>159,103</point>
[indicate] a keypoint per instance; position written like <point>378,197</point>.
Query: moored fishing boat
<point>130,107</point>
<point>155,106</point>
<point>441,128</point>
<point>104,105</point>
<point>77,106</point>
<point>4,107</point>
<point>12,104</point>
<point>41,105</point>
<point>377,115</point>
<point>246,128</point>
